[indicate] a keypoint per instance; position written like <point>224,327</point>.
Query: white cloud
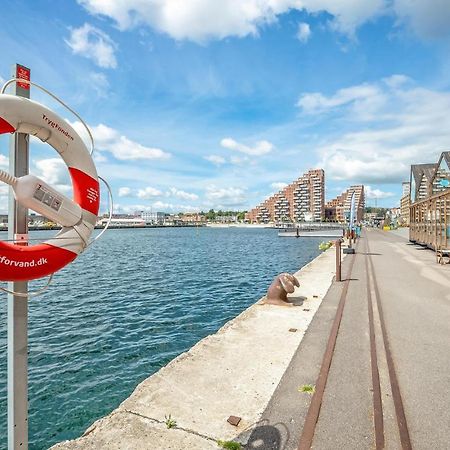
<point>93,43</point>
<point>429,19</point>
<point>170,207</point>
<point>54,172</point>
<point>99,157</point>
<point>226,196</point>
<point>355,164</point>
<point>4,161</point>
<point>148,192</point>
<point>99,83</point>
<point>182,194</point>
<point>123,148</point>
<point>303,32</point>
<point>260,148</point>
<point>406,125</point>
<point>156,206</point>
<point>363,98</point>
<point>202,20</point>
<point>396,81</point>
<point>238,160</point>
<point>278,185</point>
<point>216,159</point>
<point>125,192</point>
<point>376,193</point>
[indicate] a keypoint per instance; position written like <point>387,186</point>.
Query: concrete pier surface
<point>377,351</point>
<point>231,373</point>
<point>409,295</point>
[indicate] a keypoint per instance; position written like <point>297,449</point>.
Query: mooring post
<point>17,305</point>
<point>338,259</point>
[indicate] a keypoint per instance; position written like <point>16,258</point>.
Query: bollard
<point>282,285</point>
<point>338,259</point>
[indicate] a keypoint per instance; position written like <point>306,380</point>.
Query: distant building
<point>429,211</point>
<point>153,218</point>
<point>301,201</point>
<point>338,209</point>
<point>192,218</point>
<point>405,203</point>
<point>406,188</point>
<point>122,222</point>
<point>227,219</point>
<point>421,181</point>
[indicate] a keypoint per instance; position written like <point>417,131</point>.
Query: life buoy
<point>78,216</point>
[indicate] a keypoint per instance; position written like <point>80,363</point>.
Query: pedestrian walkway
<point>388,383</point>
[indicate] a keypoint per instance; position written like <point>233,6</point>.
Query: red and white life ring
<point>18,262</point>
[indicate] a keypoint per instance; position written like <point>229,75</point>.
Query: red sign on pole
<point>24,74</point>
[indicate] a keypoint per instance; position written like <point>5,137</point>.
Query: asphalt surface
<point>413,292</point>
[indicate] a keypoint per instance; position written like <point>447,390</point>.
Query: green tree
<point>211,215</point>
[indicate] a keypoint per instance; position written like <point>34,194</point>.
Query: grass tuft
<point>308,388</point>
<point>170,423</point>
<point>229,445</point>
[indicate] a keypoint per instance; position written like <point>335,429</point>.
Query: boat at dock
<point>313,230</point>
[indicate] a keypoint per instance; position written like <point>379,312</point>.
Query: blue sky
<point>198,104</point>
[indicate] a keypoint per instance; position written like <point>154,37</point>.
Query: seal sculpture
<point>282,285</point>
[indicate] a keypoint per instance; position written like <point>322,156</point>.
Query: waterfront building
<point>3,221</point>
<point>405,203</point>
<point>430,204</point>
<point>441,177</point>
<point>192,218</point>
<point>404,209</point>
<point>153,218</point>
<point>34,220</point>
<point>421,181</point>
<point>338,209</point>
<point>120,222</point>
<point>406,187</point>
<point>301,201</point>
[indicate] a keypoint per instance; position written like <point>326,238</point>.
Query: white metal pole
<point>18,306</point>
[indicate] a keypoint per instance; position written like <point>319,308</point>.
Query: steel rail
<point>405,440</point>
<point>313,413</point>
<point>376,388</point>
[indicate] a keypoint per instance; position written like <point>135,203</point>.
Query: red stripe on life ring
<point>86,190</point>
<point>6,127</point>
<point>18,263</point>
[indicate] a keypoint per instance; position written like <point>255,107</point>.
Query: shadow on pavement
<point>296,301</point>
<point>268,437</point>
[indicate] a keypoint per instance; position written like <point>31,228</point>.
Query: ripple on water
<point>129,305</point>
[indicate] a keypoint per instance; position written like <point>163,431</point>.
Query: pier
<point>373,347</point>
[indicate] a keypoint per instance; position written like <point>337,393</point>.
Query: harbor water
<point>130,304</point>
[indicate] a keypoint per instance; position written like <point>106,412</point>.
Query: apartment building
<point>422,181</point>
<point>301,201</point>
<point>338,209</point>
<point>405,203</point>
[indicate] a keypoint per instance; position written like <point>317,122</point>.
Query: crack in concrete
<point>186,430</point>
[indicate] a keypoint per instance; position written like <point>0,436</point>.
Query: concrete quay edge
<point>232,372</point>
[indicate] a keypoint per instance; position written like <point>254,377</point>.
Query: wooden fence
<point>430,221</point>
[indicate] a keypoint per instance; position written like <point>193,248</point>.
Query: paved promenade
<point>388,384</point>
<point>377,352</point>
